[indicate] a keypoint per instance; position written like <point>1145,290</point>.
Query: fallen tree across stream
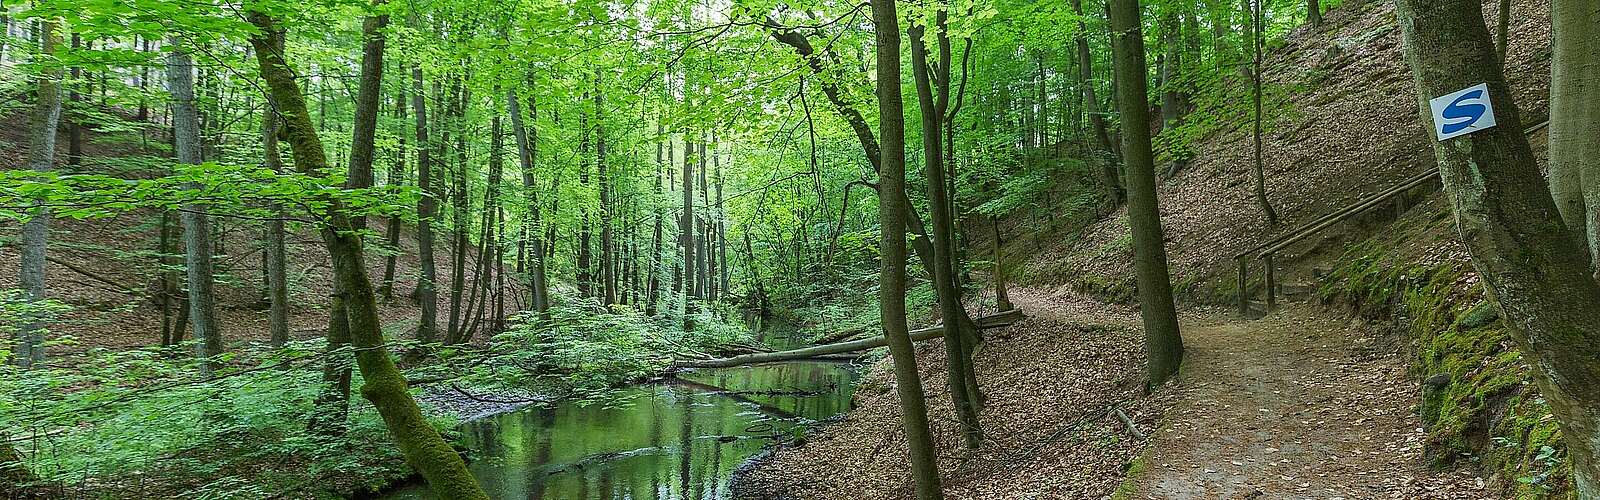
<point>992,321</point>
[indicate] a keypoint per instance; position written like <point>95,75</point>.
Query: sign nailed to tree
<point>1462,112</point>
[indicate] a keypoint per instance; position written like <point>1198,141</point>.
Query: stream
<point>675,439</point>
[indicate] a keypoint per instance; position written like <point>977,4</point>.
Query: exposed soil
<point>1294,406</point>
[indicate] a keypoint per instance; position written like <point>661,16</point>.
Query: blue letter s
<point>1456,109</point>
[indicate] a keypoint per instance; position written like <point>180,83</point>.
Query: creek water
<point>677,439</point>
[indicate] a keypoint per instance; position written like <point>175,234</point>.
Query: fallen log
<point>992,321</point>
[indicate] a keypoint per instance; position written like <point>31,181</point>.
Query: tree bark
<point>1533,267</point>
<point>686,235</point>
<point>958,359</point>
<point>892,275</point>
<point>42,122</point>
<point>383,384</point>
<point>397,174</point>
<point>528,154</point>
<point>585,250</point>
<point>71,115</point>
<point>460,202</point>
<point>653,281</point>
<point>1163,345</point>
<point>427,295</point>
<point>277,257</point>
<point>1575,119</point>
<point>608,264</point>
<point>1109,173</point>
<point>1314,12</point>
<point>196,225</point>
<point>1257,37</point>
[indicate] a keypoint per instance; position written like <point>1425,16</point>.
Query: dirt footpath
<point>1293,406</point>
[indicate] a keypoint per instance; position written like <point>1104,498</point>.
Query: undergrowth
<point>140,423</point>
<point>1479,402</point>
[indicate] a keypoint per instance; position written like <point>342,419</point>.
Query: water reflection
<point>675,440</point>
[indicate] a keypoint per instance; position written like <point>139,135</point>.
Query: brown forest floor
<point>1292,406</point>
<point>1050,380</point>
<point>1295,405</point>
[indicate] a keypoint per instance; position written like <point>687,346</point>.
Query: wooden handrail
<point>1267,250</point>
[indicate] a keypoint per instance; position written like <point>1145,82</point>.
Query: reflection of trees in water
<point>634,450</point>
<point>546,420</point>
<point>685,436</point>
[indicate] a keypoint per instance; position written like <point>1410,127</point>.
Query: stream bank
<point>679,437</point>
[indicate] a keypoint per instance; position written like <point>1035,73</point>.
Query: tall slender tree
<point>608,264</point>
<point>686,230</point>
<point>931,108</point>
<point>427,295</point>
<point>1091,102</point>
<point>396,177</point>
<point>277,257</point>
<point>528,154</point>
<point>1163,344</point>
<point>334,402</point>
<point>42,122</point>
<point>892,275</point>
<point>1258,37</point>
<point>197,237</point>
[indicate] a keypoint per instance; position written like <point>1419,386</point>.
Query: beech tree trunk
<point>528,154</point>
<point>958,358</point>
<point>1163,344</point>
<point>42,123</point>
<point>71,115</point>
<point>1109,172</point>
<point>397,174</point>
<point>1314,12</point>
<point>460,203</point>
<point>333,405</point>
<point>608,264</point>
<point>427,295</point>
<point>197,238</point>
<point>585,250</point>
<point>277,258</point>
<point>892,276</point>
<point>686,235</point>
<point>1257,37</point>
<point>653,280</point>
<point>1535,270</point>
<point>1575,119</point>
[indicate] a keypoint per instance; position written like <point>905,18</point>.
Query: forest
<point>711,249</point>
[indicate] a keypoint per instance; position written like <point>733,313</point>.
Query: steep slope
<point>1351,129</point>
